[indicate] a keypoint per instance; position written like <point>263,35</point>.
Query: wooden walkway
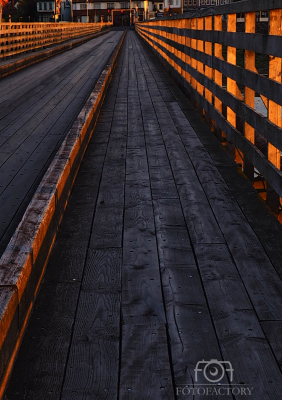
<point>166,259</point>
<point>37,107</point>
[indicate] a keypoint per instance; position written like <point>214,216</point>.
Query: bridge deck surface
<point>165,258</point>
<point>37,107</point>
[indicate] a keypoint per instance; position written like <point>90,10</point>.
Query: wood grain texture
<point>236,322</point>
<point>145,369</point>
<point>199,218</point>
<point>157,156</point>
<point>137,192</point>
<point>173,240</point>
<point>190,331</point>
<point>142,295</point>
<point>136,164</point>
<point>108,221</point>
<point>139,240</point>
<point>184,298</point>
<point>92,369</point>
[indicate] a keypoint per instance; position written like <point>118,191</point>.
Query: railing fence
<point>219,69</point>
<point>16,38</point>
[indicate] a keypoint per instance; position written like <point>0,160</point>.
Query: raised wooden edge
<point>23,263</point>
<point>28,60</point>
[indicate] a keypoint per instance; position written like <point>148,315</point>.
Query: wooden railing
<point>16,38</point>
<point>216,63</point>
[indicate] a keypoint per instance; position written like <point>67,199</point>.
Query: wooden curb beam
<point>23,263</point>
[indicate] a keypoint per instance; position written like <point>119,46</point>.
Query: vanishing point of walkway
<point>165,260</point>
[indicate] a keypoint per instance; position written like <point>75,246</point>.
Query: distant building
<point>95,10</point>
<point>204,3</point>
<point>45,10</point>
<point>117,12</point>
<point>66,10</point>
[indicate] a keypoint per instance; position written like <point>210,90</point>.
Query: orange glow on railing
<point>180,42</point>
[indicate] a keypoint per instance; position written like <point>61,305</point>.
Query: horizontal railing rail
<point>216,60</point>
<point>17,38</point>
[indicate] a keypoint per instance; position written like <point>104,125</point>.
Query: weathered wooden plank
<point>154,140</point>
<point>92,368</point>
<point>173,240</point>
<point>136,164</point>
<point>149,125</point>
<point>135,124</point>
<point>142,294</point>
<point>108,222</point>
<point>157,155</point>
<point>139,242</point>
<point>145,367</point>
<point>162,182</point>
<point>200,220</point>
<point>136,141</point>
<point>193,339</point>
<point>40,366</point>
<point>137,192</point>
<point>236,322</point>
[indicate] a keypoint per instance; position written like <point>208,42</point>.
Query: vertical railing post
<point>231,84</point>
<point>165,37</point>
<point>168,37</point>
<point>188,44</point>
<point>217,74</point>
<point>250,64</point>
<point>200,65</point>
<point>158,32</point>
<point>208,70</point>
<point>183,40</point>
<point>178,40</point>
<point>231,58</point>
<point>194,46</point>
<point>173,39</point>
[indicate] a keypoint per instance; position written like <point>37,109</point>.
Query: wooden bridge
<point>164,281</point>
